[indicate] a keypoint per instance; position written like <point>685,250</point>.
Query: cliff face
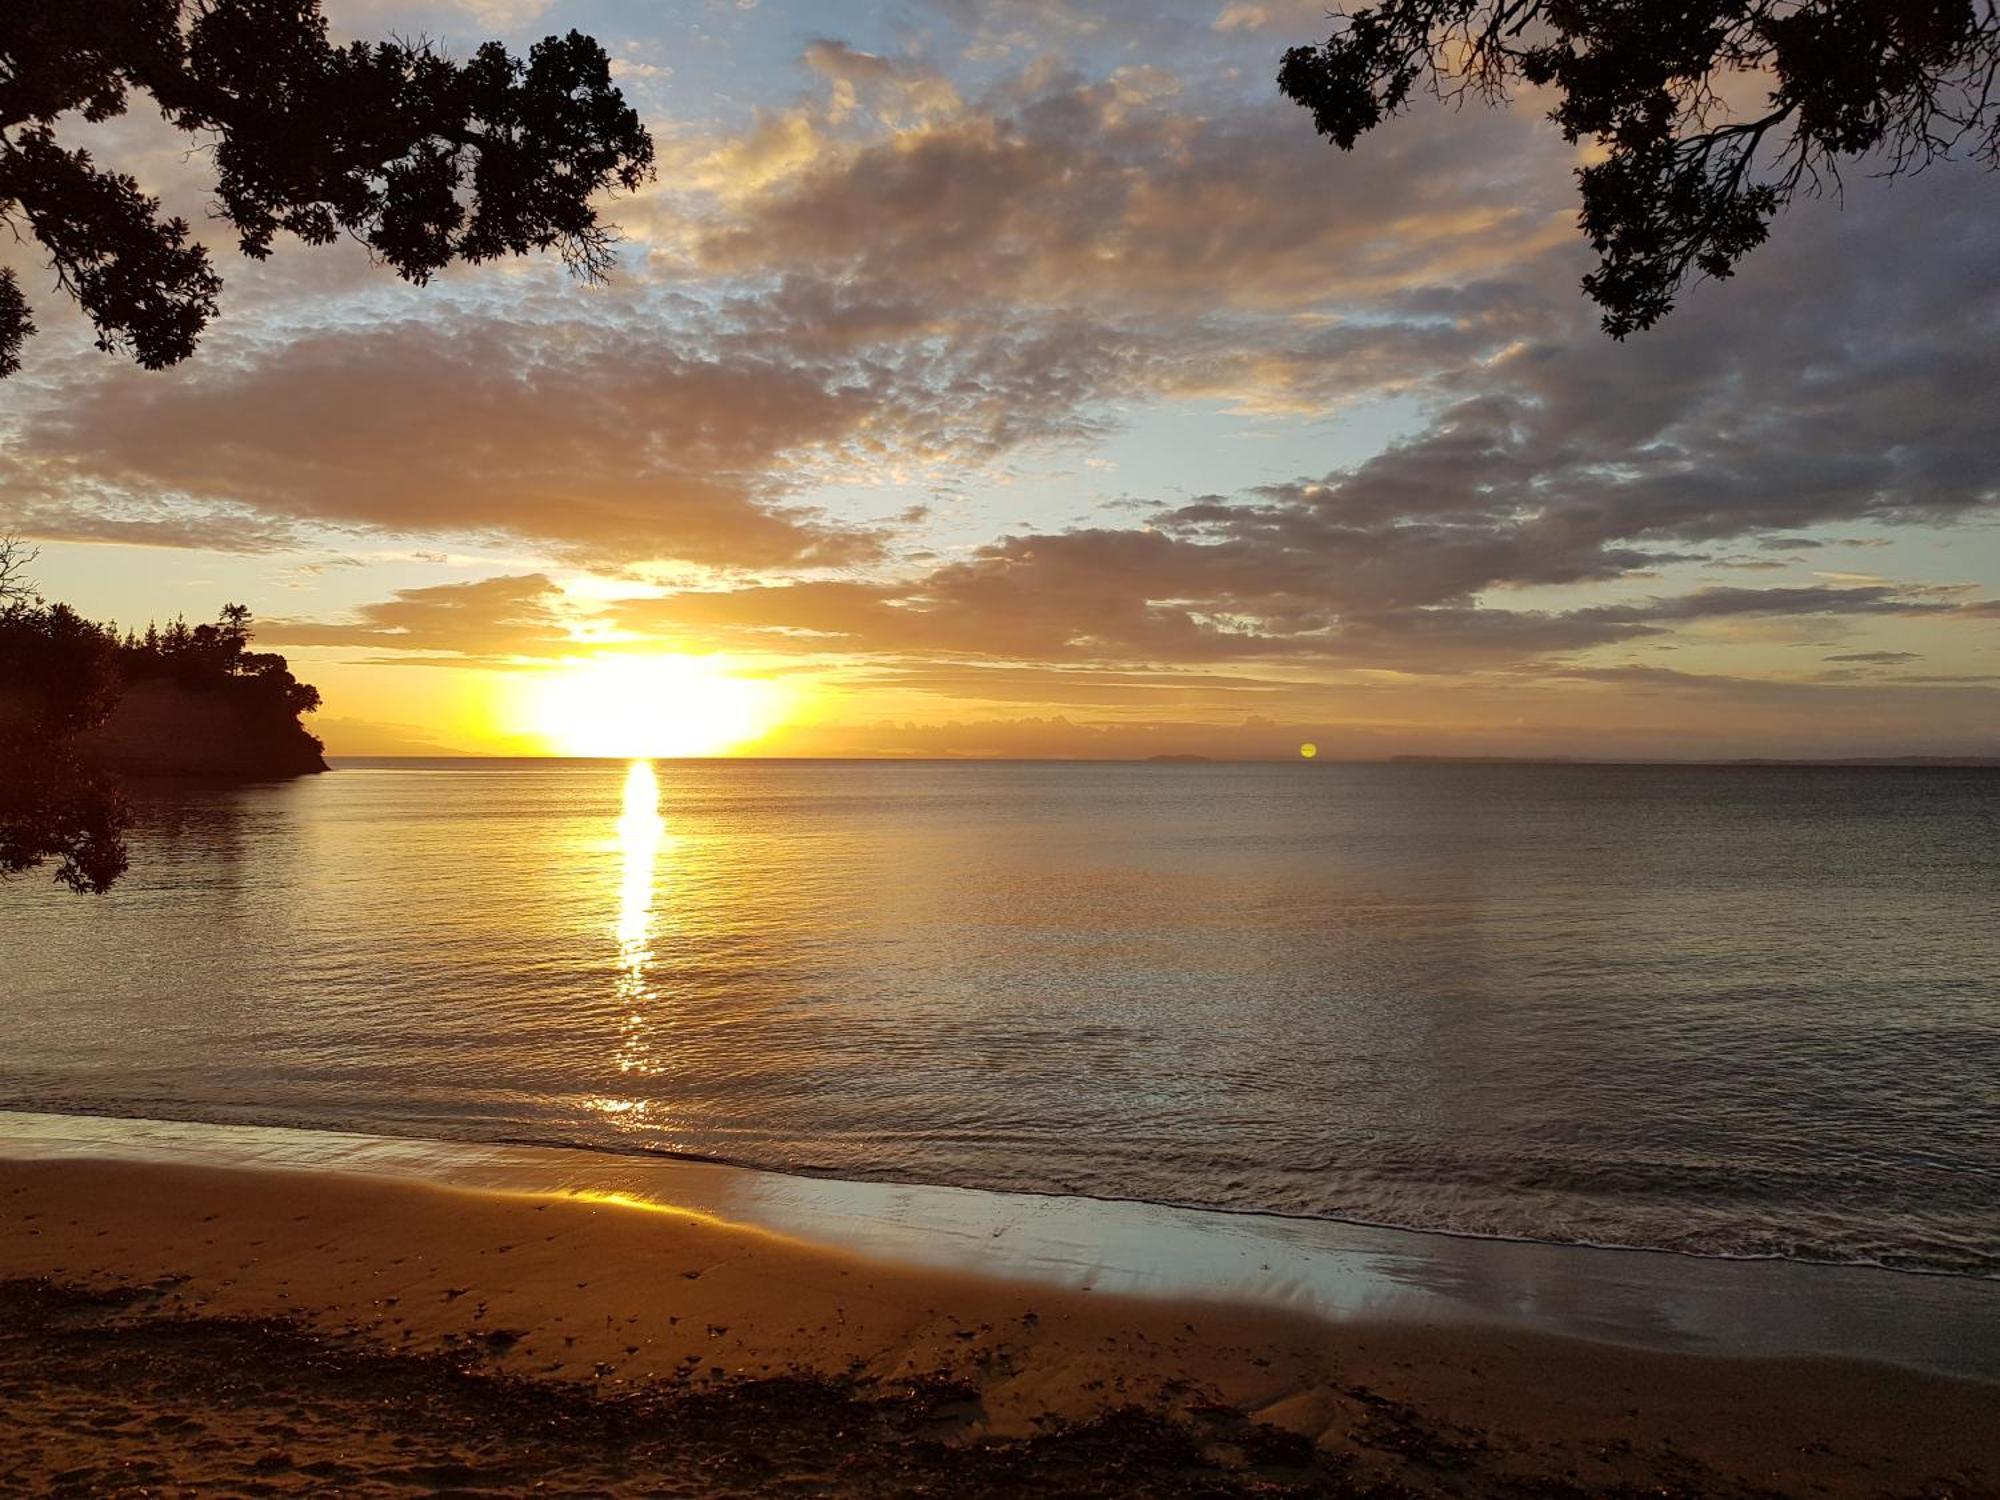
<point>161,728</point>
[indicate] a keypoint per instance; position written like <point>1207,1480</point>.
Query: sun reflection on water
<point>642,839</point>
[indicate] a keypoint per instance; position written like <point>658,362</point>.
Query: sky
<point>1025,378</point>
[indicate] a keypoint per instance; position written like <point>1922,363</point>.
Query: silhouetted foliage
<point>54,807</point>
<point>1686,185</point>
<point>58,677</point>
<point>424,160</point>
<point>61,676</point>
<point>15,556</point>
<point>215,658</point>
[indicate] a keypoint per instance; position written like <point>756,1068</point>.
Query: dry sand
<point>164,1328</point>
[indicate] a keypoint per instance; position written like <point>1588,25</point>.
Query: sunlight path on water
<point>1721,1011</point>
<point>642,837</point>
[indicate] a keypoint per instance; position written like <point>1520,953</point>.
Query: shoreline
<point>1079,1339</point>
<point>1335,1269</point>
<point>440,1149</point>
<point>617,1152</point>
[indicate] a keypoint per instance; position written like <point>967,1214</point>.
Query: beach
<point>239,1316</point>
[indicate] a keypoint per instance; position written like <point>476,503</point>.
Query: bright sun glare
<point>655,706</point>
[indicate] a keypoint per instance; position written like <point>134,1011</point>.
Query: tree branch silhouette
<point>1682,188</point>
<point>426,161</point>
<point>57,678</point>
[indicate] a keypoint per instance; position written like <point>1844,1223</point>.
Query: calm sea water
<point>1722,1011</point>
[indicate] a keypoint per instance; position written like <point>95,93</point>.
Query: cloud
<point>896,93</point>
<point>655,429</point>
<point>489,619</point>
<point>1070,192</point>
<point>119,518</point>
<point>604,443</point>
<point>1604,714</point>
<point>368,16</point>
<point>1091,687</point>
<point>1716,603</point>
<point>1395,599</point>
<point>1841,377</point>
<point>1304,20</point>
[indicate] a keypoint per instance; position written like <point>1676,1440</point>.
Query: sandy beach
<point>265,1329</point>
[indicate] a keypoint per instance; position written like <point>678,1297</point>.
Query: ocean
<point>1723,1011</point>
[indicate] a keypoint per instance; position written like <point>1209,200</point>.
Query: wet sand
<point>271,1329</point>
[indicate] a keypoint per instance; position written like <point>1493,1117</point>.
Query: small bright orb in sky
<point>651,706</point>
<point>1308,749</point>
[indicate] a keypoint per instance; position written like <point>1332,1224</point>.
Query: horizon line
<point>1945,761</point>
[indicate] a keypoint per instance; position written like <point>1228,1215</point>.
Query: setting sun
<point>663,706</point>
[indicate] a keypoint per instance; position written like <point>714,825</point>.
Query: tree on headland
<point>62,676</point>
<point>1687,176</point>
<point>211,657</point>
<point>424,160</point>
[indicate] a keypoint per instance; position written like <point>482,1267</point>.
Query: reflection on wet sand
<point>1333,1271</point>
